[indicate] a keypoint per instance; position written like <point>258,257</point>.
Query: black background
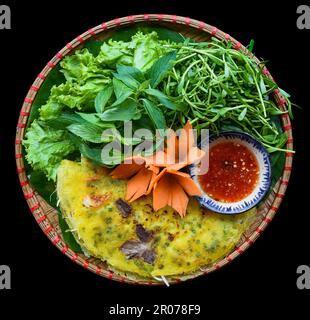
<point>265,276</point>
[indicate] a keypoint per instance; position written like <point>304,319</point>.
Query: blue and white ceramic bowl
<point>264,179</point>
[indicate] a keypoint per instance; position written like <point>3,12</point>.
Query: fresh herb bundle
<point>224,89</point>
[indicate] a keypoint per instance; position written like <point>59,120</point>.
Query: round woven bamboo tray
<point>46,216</point>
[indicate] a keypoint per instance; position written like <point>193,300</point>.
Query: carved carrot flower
<point>173,188</point>
<point>140,173</point>
<point>160,173</point>
<point>186,151</point>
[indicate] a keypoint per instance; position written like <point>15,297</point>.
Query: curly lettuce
<point>115,52</point>
<point>84,79</point>
<point>46,147</point>
<point>82,67</point>
<point>141,52</point>
<point>147,48</point>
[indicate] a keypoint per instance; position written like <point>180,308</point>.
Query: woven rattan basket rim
<point>38,206</point>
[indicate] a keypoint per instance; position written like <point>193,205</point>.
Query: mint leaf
<point>87,132</point>
<point>155,114</point>
<point>97,156</point>
<point>122,92</point>
<point>89,117</point>
<point>102,98</point>
<point>93,154</point>
<point>132,72</point>
<point>125,111</point>
<point>162,98</point>
<point>127,80</point>
<point>161,67</point>
<point>64,120</point>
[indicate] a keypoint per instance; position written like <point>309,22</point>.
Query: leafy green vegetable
<point>74,95</point>
<point>242,114</point>
<point>223,87</point>
<point>125,34</point>
<point>84,79</point>
<point>147,49</point>
<point>135,48</point>
<point>93,154</point>
<point>157,84</point>
<point>67,234</point>
<point>161,67</point>
<point>162,98</point>
<point>88,132</point>
<point>46,188</point>
<point>124,111</point>
<point>51,110</point>
<point>46,147</point>
<point>102,98</point>
<point>80,66</point>
<point>155,114</point>
<point>277,162</point>
<point>64,120</point>
<point>114,52</point>
<point>97,156</point>
<point>55,77</point>
<point>131,72</point>
<point>129,81</point>
<point>122,92</point>
<point>108,89</point>
<point>92,118</point>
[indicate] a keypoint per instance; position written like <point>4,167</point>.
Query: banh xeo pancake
<point>134,239</point>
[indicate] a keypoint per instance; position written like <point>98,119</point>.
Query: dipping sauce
<point>233,172</point>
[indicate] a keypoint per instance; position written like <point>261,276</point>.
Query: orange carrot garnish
<point>160,173</point>
<point>172,188</point>
<point>141,176</point>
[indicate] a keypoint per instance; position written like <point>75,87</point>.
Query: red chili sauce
<point>233,172</point>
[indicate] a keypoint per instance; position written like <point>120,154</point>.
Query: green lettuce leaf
<point>113,52</point>
<point>77,96</point>
<point>140,52</point>
<point>46,147</point>
<point>85,77</point>
<point>73,96</point>
<point>147,49</point>
<point>82,66</point>
<point>51,110</point>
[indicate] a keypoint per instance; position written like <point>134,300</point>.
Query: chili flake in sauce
<point>233,172</point>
